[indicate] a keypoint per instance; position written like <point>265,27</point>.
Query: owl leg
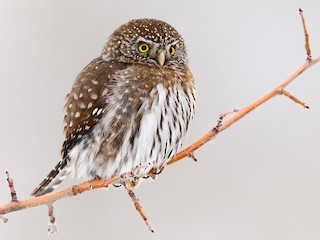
<point>129,185</point>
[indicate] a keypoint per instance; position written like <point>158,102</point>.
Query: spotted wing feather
<point>84,107</point>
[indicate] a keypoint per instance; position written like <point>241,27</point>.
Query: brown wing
<point>86,101</point>
<point>84,107</point>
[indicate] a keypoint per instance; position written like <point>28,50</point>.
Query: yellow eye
<point>143,48</point>
<point>172,51</point>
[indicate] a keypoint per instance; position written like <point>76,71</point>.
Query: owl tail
<point>54,178</point>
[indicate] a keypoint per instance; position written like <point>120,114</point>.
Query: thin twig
<point>191,155</point>
<point>137,205</point>
<point>3,219</point>
<point>293,98</point>
<point>11,187</point>
<point>306,35</point>
<point>52,227</point>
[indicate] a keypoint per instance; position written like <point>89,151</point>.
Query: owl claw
<point>117,185</point>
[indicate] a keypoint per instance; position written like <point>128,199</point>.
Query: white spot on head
<point>71,124</point>
<point>70,105</point>
<point>77,114</point>
<point>75,96</point>
<point>89,89</point>
<point>89,105</point>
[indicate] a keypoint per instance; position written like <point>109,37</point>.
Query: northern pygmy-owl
<point>130,106</point>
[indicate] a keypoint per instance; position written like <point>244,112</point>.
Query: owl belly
<point>149,135</point>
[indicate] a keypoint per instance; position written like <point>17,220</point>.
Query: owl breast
<point>147,114</point>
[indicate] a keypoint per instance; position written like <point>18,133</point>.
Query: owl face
<point>147,41</point>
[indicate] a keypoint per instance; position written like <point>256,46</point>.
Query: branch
<point>244,111</point>
<point>238,114</point>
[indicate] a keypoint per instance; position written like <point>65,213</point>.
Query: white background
<point>260,179</point>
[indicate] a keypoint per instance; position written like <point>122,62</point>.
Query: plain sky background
<point>260,179</point>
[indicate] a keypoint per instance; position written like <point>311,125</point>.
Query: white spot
<point>94,96</point>
<point>94,111</point>
<point>75,96</point>
<point>77,114</point>
<point>81,95</point>
<point>95,82</point>
<point>71,124</point>
<point>90,89</point>
<point>70,105</point>
<point>105,91</point>
<point>82,105</point>
<point>87,127</point>
<point>100,111</point>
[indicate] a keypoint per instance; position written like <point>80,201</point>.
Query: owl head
<point>147,41</point>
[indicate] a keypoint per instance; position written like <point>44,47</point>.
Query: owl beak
<point>161,57</point>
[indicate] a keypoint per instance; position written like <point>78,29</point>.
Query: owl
<point>130,106</point>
